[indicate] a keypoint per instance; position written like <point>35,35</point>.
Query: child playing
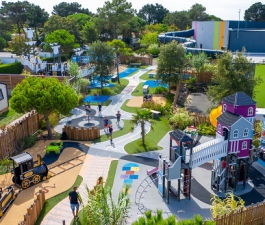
<point>106,123</point>
<point>99,109</point>
<point>118,115</point>
<point>110,133</point>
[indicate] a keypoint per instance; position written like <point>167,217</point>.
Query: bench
<point>135,64</point>
<point>155,114</point>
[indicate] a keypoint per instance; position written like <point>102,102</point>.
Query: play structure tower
<point>235,125</point>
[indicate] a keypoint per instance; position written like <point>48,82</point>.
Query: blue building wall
<point>246,25</point>
<point>252,40</point>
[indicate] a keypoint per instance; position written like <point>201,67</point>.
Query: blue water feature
<point>96,84</point>
<point>92,98</point>
<point>155,83</point>
<point>127,72</point>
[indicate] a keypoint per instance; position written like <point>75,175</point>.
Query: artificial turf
<point>260,88</point>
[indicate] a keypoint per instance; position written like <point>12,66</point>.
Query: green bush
<point>181,119</point>
<point>154,106</point>
<point>51,60</point>
<point>160,90</point>
<point>106,91</point>
<point>11,68</point>
<point>191,82</point>
<point>256,143</point>
<point>153,49</point>
<point>29,141</point>
<point>205,129</point>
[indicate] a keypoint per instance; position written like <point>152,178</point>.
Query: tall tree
<point>232,74</point>
<point>15,13</point>
<point>18,45</point>
<point>89,32</point>
<point>255,12</point>
<point>141,118</point>
<point>153,13</point>
<point>65,9</point>
<point>179,19</point>
<point>170,65</point>
<point>45,95</point>
<point>197,12</point>
<point>63,38</point>
<point>101,57</point>
<point>120,49</point>
<point>115,15</point>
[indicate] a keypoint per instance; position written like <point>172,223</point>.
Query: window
<point>235,134</point>
<point>250,111</point>
<point>219,128</point>
<point>244,145</point>
<point>1,95</point>
<point>224,107</point>
<point>245,133</point>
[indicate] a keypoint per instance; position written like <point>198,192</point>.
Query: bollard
<point>63,222</point>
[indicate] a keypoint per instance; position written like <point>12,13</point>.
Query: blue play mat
<point>100,98</point>
<point>155,83</point>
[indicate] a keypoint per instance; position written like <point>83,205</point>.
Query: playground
<point>184,187</point>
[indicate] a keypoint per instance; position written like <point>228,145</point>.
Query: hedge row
<point>11,68</point>
<point>50,59</point>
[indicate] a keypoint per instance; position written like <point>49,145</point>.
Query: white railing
<point>222,176</point>
<point>217,166</point>
<point>207,144</point>
<point>207,154</point>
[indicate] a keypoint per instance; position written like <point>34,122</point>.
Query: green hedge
<point>50,59</point>
<point>11,68</point>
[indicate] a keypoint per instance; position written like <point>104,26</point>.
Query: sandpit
<point>138,101</point>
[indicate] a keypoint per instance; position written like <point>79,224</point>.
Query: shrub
<point>11,68</point>
<point>29,141</point>
<point>191,82</point>
<point>181,119</point>
<point>83,84</point>
<point>153,49</point>
<point>51,60</point>
<point>160,90</point>
<point>205,129</point>
<point>154,106</point>
<point>106,91</point>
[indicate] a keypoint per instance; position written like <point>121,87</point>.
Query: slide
<point>190,44</point>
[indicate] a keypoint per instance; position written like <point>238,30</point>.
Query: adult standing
<point>99,109</point>
<point>74,202</point>
<point>118,116</point>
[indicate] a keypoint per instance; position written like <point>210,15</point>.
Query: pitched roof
<point>228,118</point>
<point>178,135</point>
<point>239,98</point>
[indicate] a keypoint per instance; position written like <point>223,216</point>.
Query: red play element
<point>223,164</point>
<point>129,172</point>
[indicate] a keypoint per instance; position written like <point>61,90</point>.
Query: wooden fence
<point>134,59</point>
<point>11,80</point>
<point>81,134</point>
<point>10,135</point>
<point>34,210</point>
<point>253,215</point>
<point>200,118</point>
<point>204,77</point>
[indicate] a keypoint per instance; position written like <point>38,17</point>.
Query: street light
<point>238,23</point>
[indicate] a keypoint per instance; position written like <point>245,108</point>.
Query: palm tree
<point>142,117</point>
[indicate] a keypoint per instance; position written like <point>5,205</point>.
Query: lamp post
<point>238,23</point>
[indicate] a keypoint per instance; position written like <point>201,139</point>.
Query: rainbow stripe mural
<point>130,170</point>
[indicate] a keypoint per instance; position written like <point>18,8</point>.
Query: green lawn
<point>111,174</point>
<point>51,202</point>
<point>138,91</point>
<point>161,127</point>
<point>145,76</point>
<point>125,130</point>
<point>259,89</point>
<point>9,116</point>
<point>126,108</point>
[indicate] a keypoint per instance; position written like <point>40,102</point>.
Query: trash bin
<point>114,78</point>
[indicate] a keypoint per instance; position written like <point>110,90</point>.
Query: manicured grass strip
<point>259,89</point>
<point>145,76</point>
<point>111,174</point>
<point>138,91</point>
<point>161,128</point>
<point>51,202</point>
<point>126,108</point>
<point>124,130</point>
<point>9,116</point>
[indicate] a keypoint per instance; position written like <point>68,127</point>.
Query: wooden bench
<point>135,64</point>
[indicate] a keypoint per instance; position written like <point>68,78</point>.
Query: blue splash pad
<point>127,72</point>
<point>96,84</point>
<point>154,84</point>
<point>100,98</point>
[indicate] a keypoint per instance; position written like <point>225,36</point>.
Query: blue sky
<point>225,9</point>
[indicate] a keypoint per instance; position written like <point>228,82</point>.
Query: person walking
<point>110,133</point>
<point>118,115</point>
<point>99,109</point>
<point>74,202</point>
<point>106,123</point>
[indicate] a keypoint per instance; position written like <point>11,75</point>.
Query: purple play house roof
<point>239,99</point>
